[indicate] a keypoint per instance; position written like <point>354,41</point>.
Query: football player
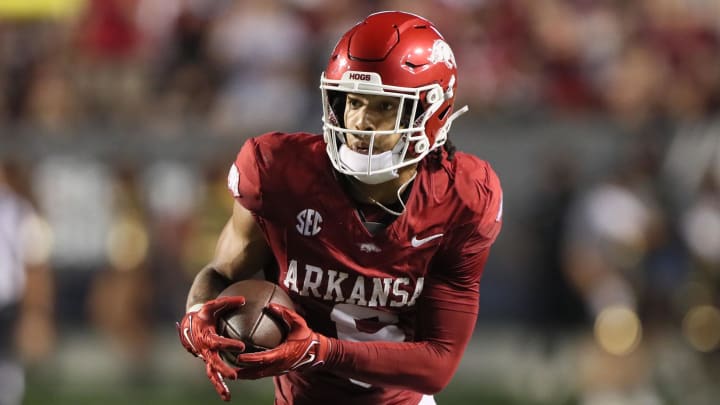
<point>379,231</point>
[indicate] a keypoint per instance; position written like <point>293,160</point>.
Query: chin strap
<point>443,133</point>
<point>456,114</point>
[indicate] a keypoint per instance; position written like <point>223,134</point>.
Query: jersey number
<point>349,321</point>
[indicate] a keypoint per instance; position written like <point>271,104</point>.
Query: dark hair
<point>449,149</point>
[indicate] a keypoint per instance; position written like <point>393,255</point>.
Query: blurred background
<point>120,118</point>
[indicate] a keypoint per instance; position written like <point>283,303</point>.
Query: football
<point>250,323</point>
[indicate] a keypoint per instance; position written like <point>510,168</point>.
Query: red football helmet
<point>392,54</point>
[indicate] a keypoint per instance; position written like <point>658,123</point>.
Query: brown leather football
<point>250,323</point>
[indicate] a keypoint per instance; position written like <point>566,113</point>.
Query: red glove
<point>199,337</point>
<point>302,349</point>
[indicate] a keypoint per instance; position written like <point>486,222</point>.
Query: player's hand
<point>302,349</point>
<point>199,337</point>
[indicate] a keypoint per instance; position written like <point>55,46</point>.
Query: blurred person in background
<point>700,226</point>
<point>619,255</point>
<point>699,297</point>
<point>259,46</point>
<point>185,76</point>
<point>382,196</point>
<point>559,307</point>
<point>120,293</point>
<point>75,195</point>
<point>109,69</point>
<point>27,331</point>
<point>184,211</point>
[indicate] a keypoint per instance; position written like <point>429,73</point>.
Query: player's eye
<point>354,103</point>
<point>388,106</point>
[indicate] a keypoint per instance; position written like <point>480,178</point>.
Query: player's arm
<point>446,316</point>
<point>241,252</point>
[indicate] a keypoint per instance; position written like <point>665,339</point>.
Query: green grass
<point>139,395</point>
<point>47,393</point>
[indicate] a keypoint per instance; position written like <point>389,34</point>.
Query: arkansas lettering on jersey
<point>333,286</point>
<point>347,282</point>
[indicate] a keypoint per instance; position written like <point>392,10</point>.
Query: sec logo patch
<point>309,222</point>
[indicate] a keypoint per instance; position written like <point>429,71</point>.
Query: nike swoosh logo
<point>187,338</point>
<point>307,358</point>
<point>415,242</point>
<point>186,333</point>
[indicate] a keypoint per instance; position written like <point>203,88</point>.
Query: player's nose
<point>364,122</point>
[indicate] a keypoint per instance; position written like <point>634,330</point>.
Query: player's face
<point>366,112</point>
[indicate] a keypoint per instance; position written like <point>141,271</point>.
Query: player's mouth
<point>360,148</point>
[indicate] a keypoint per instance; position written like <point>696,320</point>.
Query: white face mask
<point>359,162</point>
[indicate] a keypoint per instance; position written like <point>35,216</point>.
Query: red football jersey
<point>349,283</point>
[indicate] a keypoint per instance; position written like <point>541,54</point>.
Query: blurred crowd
<point>630,255</point>
<point>162,63</point>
